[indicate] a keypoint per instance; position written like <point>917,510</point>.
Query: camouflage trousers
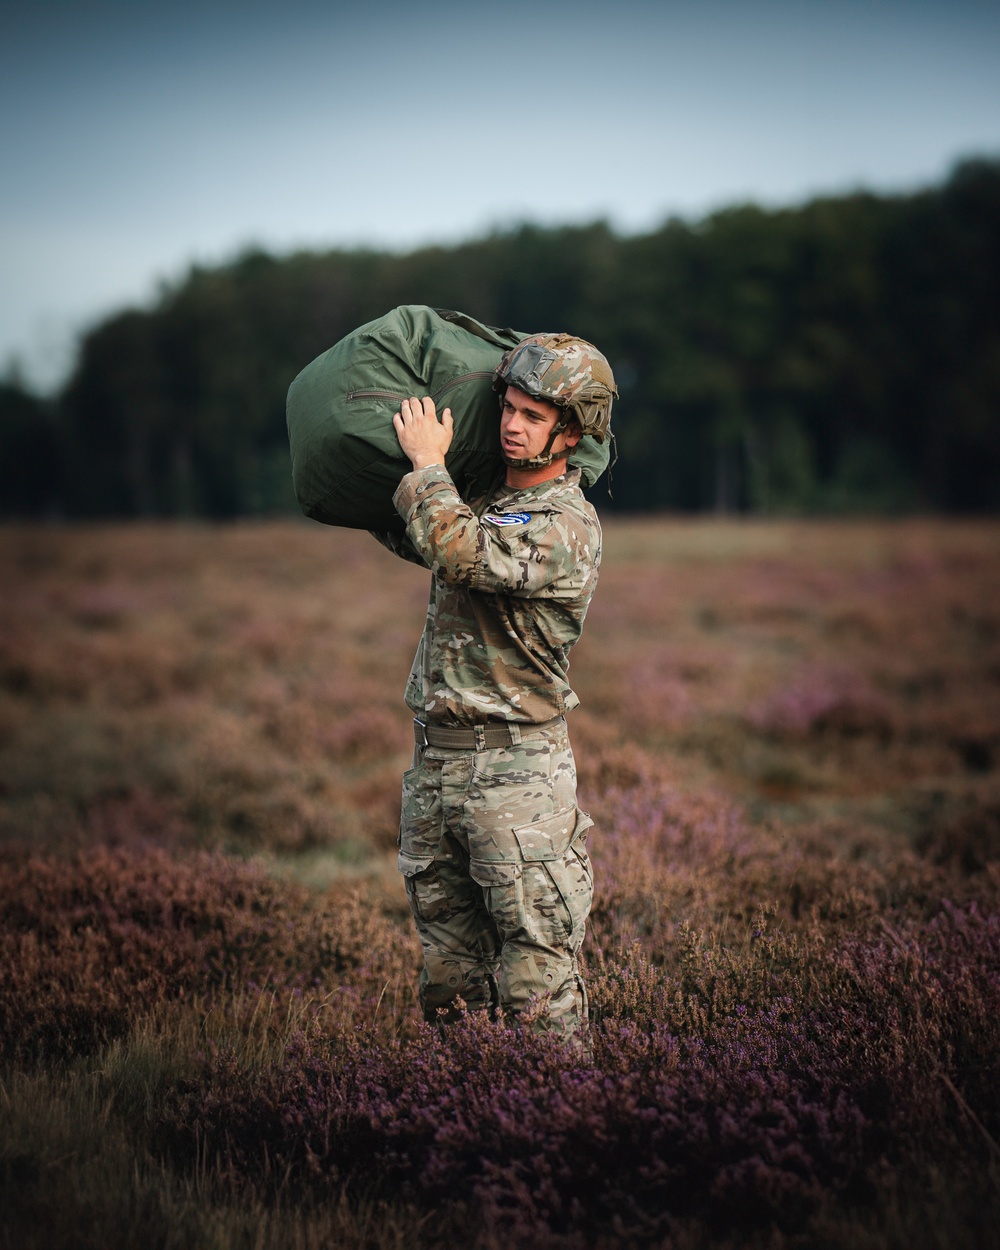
<point>493,849</point>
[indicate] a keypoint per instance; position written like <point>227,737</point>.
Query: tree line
<point>841,356</point>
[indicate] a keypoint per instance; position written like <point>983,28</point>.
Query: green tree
<point>30,454</point>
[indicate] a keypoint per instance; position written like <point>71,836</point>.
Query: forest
<point>838,357</point>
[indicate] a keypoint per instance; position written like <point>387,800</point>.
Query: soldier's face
<point>526,423</point>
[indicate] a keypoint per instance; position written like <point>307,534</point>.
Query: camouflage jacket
<point>510,590</point>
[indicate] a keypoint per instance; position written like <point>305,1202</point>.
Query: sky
<point>141,136</point>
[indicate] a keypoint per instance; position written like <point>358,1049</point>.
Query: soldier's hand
<point>423,438</point>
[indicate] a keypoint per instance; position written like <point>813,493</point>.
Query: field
<point>790,744</point>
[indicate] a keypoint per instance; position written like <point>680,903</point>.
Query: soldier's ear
<point>573,432</point>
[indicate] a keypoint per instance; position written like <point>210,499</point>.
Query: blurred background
<point>779,218</point>
<point>781,221</point>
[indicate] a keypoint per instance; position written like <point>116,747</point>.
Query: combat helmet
<point>568,372</point>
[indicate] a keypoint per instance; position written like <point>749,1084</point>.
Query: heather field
<point>790,744</point>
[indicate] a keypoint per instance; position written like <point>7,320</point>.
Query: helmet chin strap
<point>544,458</point>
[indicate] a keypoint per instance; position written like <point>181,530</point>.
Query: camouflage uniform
<point>492,844</point>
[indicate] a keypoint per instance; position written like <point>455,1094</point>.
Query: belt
<point>497,733</point>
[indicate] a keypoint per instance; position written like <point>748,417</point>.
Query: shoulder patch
<point>508,518</point>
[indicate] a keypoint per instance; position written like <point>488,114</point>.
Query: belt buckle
<point>420,731</point>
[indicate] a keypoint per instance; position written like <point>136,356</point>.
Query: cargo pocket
<point>419,822</point>
<point>558,880</point>
<point>503,893</point>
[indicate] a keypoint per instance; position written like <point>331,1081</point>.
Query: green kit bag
<point>346,459</point>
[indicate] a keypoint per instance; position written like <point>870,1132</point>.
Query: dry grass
<point>790,740</point>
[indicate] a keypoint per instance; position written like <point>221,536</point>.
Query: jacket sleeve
<point>554,555</point>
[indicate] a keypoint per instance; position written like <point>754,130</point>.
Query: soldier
<point>492,843</point>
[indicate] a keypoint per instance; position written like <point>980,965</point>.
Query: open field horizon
<point>789,738</point>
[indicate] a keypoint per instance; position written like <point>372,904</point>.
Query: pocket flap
<point>493,873</point>
<point>550,837</point>
<point>410,865</point>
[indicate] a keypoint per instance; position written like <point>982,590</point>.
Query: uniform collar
<point>542,491</point>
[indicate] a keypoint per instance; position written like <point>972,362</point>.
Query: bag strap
<point>491,334</point>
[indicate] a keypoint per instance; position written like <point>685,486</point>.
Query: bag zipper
<point>443,390</point>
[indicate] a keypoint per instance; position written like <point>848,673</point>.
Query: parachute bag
<point>346,459</point>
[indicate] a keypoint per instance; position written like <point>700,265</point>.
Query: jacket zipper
<point>465,377</point>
